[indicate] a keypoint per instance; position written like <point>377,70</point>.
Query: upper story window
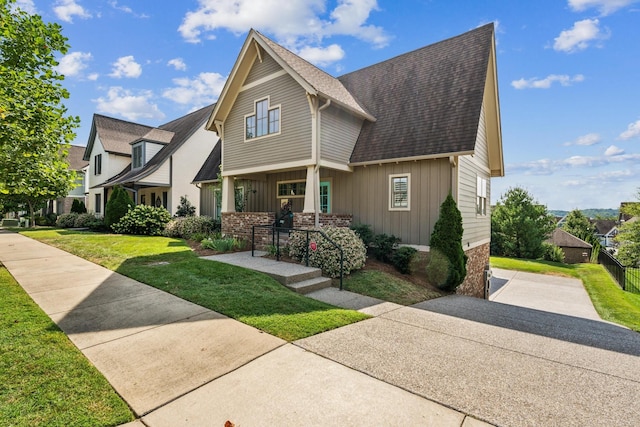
<point>138,158</point>
<point>265,120</point>
<point>399,190</point>
<point>97,164</point>
<point>481,196</point>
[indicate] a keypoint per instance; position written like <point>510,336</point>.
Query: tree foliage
<point>519,225</point>
<point>629,236</point>
<point>579,225</point>
<point>35,131</point>
<point>117,206</point>
<point>185,208</point>
<point>446,239</point>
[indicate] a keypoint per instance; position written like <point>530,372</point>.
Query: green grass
<point>384,286</point>
<point>611,302</point>
<point>44,378</point>
<point>168,264</point>
<point>633,279</point>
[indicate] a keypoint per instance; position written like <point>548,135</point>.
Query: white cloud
<point>605,7</point>
<point>633,130</point>
<point>297,24</point>
<point>322,56</point>
<point>93,76</point>
<point>586,140</point>
<point>580,36</point>
<point>126,9</point>
<point>134,107</point>
<point>177,63</point>
<point>198,92</point>
<point>535,83</point>
<point>73,63</point>
<point>126,66</point>
<point>613,151</point>
<point>67,9</point>
<point>26,5</point>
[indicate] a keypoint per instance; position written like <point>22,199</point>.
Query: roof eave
<point>411,158</point>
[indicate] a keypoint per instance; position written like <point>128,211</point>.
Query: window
<point>143,199</point>
<point>137,156</point>
<point>165,200</point>
<point>98,203</point>
<point>265,120</point>
<point>97,164</point>
<point>481,196</point>
<point>291,189</point>
<point>399,190</point>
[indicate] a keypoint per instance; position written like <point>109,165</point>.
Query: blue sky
<point>568,70</point>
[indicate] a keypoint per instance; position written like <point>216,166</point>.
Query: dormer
<point>143,149</point>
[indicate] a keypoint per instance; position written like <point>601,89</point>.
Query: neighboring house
<point>606,230</point>
<point>156,165</point>
<point>575,250</point>
<point>382,146</point>
<point>79,165</point>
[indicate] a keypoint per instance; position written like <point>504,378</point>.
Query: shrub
<point>144,220</point>
<point>77,206</point>
<point>84,220</point>
<point>117,206</point>
<point>188,227</point>
<point>447,239</point>
<point>67,220</point>
<point>326,256</point>
<point>223,244</point>
<point>551,252</point>
<point>437,268</point>
<point>185,208</point>
<point>402,259</point>
<point>383,247</point>
<point>51,218</point>
<point>40,220</point>
<point>364,232</point>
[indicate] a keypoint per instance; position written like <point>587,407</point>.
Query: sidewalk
<point>176,363</point>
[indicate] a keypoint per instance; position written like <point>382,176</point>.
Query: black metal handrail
<point>275,241</point>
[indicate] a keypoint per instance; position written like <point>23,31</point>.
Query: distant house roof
<point>115,135</point>
<point>426,102</point>
<point>180,130</point>
<point>603,226</point>
<point>209,170</point>
<point>76,158</point>
<point>625,216</point>
<point>561,238</point>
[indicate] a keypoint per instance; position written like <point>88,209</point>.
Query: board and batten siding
<point>266,153</point>
<point>207,199</point>
<point>477,228</point>
<point>339,132</point>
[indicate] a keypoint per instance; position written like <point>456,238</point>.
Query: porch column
<point>228,195</point>
<point>310,191</point>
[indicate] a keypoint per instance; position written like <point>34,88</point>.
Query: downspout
<point>453,160</point>
<point>317,167</point>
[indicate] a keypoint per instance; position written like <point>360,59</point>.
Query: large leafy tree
<point>580,226</point>
<point>629,236</point>
<point>519,225</point>
<point>35,130</point>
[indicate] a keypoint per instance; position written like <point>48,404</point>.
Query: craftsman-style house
<point>382,146</point>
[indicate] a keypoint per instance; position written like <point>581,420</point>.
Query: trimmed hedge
<point>143,220</point>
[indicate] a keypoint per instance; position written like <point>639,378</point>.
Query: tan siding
<point>476,227</point>
<point>338,134</point>
<point>161,176</point>
<point>262,69</point>
<point>151,150</point>
<point>292,144</point>
<point>207,200</point>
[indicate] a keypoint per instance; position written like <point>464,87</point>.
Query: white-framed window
<point>138,157</point>
<point>291,189</point>
<point>399,192</point>
<point>264,121</point>
<point>481,196</point>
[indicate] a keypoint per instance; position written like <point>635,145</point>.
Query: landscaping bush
<point>143,220</point>
<point>551,252</point>
<point>383,246</point>
<point>447,239</point>
<point>364,232</point>
<point>40,220</point>
<point>77,206</point>
<point>326,256</point>
<point>223,244</point>
<point>51,218</point>
<point>185,208</point>
<point>402,259</point>
<point>84,220</point>
<point>437,268</point>
<point>191,227</point>
<point>67,220</point>
<point>117,206</point>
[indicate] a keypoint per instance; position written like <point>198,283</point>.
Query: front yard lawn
<point>612,303</point>
<point>44,378</point>
<point>169,264</point>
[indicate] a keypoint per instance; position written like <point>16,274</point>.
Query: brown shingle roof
<point>426,102</point>
<point>561,238</point>
<point>116,134</point>
<point>75,158</point>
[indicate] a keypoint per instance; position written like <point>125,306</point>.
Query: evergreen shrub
<point>117,206</point>
<point>402,259</point>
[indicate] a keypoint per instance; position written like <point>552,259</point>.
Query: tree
<point>629,236</point>
<point>519,225</point>
<point>446,239</point>
<point>117,206</point>
<point>579,225</point>
<point>35,131</point>
<point>185,208</point>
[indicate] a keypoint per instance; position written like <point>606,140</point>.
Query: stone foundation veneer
<point>308,220</point>
<point>240,224</point>
<point>478,259</point>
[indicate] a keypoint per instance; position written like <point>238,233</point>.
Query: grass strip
<point>384,286</point>
<point>169,264</point>
<point>612,303</point>
<point>46,380</point>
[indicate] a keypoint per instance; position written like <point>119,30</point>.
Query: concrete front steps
<point>298,278</point>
